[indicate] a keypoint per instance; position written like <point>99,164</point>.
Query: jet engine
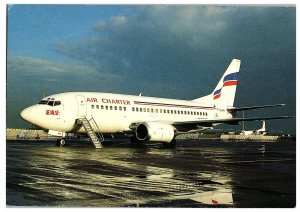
<point>154,131</point>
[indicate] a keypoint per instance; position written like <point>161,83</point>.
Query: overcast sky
<point>166,51</point>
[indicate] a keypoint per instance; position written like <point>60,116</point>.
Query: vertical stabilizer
<point>263,128</point>
<point>224,93</point>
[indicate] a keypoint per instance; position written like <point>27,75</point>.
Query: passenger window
<point>137,109</point>
<point>92,106</point>
<point>141,109</point>
<point>152,110</point>
<point>124,108</point>
<point>144,109</point>
<point>164,110</point>
<point>148,110</point>
<point>116,108</point>
<point>174,111</point>
<point>156,110</point>
<point>111,107</point>
<point>102,107</point>
<point>168,111</point>
<point>160,110</point>
<point>184,112</point>
<point>106,107</point>
<point>120,108</point>
<point>171,111</point>
<point>133,109</point>
<point>97,106</point>
<point>197,113</point>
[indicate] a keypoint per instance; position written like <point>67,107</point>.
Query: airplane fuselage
<point>115,112</point>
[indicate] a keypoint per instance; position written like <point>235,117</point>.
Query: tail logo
<point>229,80</point>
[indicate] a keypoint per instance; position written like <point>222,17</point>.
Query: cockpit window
<point>43,102</point>
<point>50,103</point>
<point>57,103</point>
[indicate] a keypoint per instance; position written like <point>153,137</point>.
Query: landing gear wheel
<point>133,140</point>
<point>60,142</point>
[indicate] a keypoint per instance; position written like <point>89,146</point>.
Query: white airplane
<point>147,118</point>
<point>261,131</point>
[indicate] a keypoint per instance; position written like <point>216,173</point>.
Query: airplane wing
<point>233,121</point>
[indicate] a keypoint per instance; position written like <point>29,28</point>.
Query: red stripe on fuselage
<point>172,105</point>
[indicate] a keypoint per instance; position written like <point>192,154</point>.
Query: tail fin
<point>263,128</point>
<point>224,93</point>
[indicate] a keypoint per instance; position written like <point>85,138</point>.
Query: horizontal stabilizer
<point>253,107</point>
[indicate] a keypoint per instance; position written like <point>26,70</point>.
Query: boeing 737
<point>146,118</point>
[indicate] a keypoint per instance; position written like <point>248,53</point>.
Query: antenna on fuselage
<point>44,93</point>
<point>141,94</point>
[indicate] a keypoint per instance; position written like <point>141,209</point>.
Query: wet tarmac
<point>197,173</point>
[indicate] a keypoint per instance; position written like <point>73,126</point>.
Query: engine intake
<point>154,131</point>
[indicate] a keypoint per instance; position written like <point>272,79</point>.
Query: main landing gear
<point>60,142</point>
<point>135,142</point>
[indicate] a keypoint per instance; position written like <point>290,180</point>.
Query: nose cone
<point>27,115</point>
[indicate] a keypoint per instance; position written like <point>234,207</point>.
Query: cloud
<point>152,35</point>
<point>40,75</point>
<point>180,39</point>
<point>33,66</point>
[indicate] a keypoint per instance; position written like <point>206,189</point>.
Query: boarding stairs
<point>90,127</point>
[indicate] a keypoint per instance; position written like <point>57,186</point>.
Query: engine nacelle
<point>154,131</point>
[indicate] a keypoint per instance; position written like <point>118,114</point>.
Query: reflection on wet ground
<point>197,173</point>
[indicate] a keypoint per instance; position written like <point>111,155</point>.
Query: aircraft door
<point>216,114</point>
<point>81,105</point>
<point>153,113</point>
